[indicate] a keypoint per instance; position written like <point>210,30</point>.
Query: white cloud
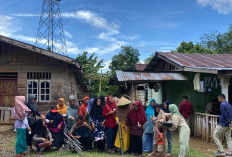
<point>108,35</point>
<point>7,28</point>
<point>91,18</point>
<point>92,49</point>
<point>25,15</point>
<point>67,34</point>
<point>106,66</point>
<point>222,6</point>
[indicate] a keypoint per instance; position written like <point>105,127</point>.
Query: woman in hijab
<point>148,128</point>
<point>178,122</point>
<point>159,117</point>
<point>55,124</point>
<point>169,133</point>
<point>21,112</point>
<point>123,110</point>
<point>136,119</point>
<point>32,105</point>
<point>61,107</point>
<point>109,112</point>
<point>83,109</point>
<point>72,111</point>
<point>98,123</point>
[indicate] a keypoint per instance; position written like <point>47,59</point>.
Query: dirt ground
<point>7,141</point>
<point>8,138</point>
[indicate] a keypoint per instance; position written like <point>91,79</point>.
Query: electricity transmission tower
<point>50,35</point>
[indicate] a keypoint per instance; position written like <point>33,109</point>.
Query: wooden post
<point>207,128</point>
<point>195,124</point>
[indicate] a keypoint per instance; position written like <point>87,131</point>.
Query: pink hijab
<point>20,108</point>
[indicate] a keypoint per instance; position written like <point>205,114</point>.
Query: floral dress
<point>99,133</point>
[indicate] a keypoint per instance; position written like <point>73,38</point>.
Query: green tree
<point>90,66</point>
<point>148,60</point>
<point>189,47</point>
<point>218,42</point>
<point>125,60</point>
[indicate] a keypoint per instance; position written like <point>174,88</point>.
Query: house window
<point>45,91</point>
<point>32,88</point>
<point>39,84</point>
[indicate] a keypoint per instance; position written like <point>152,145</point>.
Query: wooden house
<point>26,69</point>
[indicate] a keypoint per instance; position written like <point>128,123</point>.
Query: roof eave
<point>201,70</point>
<point>40,51</point>
<point>169,61</point>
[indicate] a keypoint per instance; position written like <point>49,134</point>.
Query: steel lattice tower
<point>50,35</point>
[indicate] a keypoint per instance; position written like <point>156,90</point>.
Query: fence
<point>6,115</point>
<point>204,125</point>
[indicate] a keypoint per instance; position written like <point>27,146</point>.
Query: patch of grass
<point>175,149</point>
<point>11,142</point>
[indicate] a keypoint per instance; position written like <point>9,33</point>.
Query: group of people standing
<point>118,123</point>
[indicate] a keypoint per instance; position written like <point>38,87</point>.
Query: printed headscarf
<point>20,108</point>
<point>150,110</point>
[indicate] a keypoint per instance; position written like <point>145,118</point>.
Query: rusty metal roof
<point>138,76</point>
<point>140,67</point>
<point>199,60</point>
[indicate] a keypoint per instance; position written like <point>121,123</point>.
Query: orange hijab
<point>62,110</point>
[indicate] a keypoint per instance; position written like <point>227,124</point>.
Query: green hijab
<point>174,110</point>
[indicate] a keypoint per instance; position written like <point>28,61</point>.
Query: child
<point>42,137</point>
<point>160,141</point>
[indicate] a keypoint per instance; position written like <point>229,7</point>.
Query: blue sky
<point>103,26</point>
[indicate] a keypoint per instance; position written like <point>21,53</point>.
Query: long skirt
<point>125,138</point>
<point>21,143</point>
<point>58,139</point>
<point>148,142</point>
<point>136,144</point>
<point>184,136</point>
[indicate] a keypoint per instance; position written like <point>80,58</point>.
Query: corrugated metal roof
<point>198,60</point>
<point>140,67</point>
<point>137,76</point>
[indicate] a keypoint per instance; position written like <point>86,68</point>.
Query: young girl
<point>136,119</point>
<point>21,112</point>
<point>42,137</point>
<point>160,141</point>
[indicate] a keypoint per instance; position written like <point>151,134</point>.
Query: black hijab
<point>103,102</point>
<point>96,111</point>
<point>39,129</point>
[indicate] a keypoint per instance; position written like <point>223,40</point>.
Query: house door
<point>8,89</point>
